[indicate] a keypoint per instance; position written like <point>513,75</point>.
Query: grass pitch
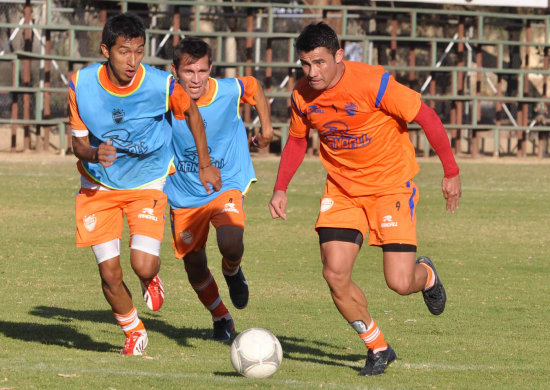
<point>56,329</point>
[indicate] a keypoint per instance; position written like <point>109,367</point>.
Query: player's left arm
<point>254,94</point>
<point>437,137</point>
<point>184,107</point>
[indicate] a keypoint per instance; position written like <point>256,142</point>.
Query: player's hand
<point>210,175</point>
<point>452,191</point>
<point>277,204</point>
<point>106,154</point>
<point>261,141</point>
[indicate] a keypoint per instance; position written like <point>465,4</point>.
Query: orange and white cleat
<point>153,293</point>
<point>136,342</point>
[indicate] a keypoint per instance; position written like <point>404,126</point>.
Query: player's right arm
<point>105,153</point>
<point>292,156</point>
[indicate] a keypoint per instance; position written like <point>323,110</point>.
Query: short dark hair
<point>194,47</point>
<point>125,25</point>
<point>317,35</point>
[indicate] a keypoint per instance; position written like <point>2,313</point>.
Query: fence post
<point>460,87</point>
<point>27,77</point>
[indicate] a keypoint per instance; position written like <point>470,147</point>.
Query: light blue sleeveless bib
<point>227,145</point>
<point>138,125</point>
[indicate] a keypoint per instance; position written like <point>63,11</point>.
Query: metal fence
<point>485,73</point>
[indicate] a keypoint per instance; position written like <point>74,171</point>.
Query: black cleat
<point>238,289</point>
<point>223,329</point>
<point>434,297</point>
<point>377,362</point>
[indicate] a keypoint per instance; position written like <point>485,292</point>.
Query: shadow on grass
<point>302,350</point>
<point>180,335</point>
<point>62,335</point>
<point>316,352</point>
<point>293,348</point>
<point>233,374</point>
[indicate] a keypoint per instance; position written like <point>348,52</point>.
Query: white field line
<point>204,379</point>
<point>429,366</point>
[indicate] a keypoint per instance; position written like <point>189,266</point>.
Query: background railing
<point>486,73</point>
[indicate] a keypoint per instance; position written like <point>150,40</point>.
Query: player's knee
<point>146,269</point>
<point>402,285</point>
<point>335,280</point>
<point>196,266</point>
<point>232,251</point>
<point>230,242</point>
<point>144,256</point>
<point>400,280</point>
<point>111,276</point>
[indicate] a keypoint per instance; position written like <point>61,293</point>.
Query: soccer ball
<point>256,353</point>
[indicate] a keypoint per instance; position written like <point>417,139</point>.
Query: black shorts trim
<point>398,248</point>
<point>327,234</point>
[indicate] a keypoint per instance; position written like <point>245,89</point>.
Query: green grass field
<point>56,329</point>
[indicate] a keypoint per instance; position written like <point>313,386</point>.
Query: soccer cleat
<point>153,293</point>
<point>377,362</point>
<point>223,329</point>
<point>136,342</point>
<point>238,289</point>
<point>434,297</point>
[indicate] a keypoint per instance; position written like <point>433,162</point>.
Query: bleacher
<point>484,70</point>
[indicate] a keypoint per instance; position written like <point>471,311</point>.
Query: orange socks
<point>430,280</point>
<point>208,294</point>
<point>372,337</point>
<point>130,321</point>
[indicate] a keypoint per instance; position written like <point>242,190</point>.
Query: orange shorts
<point>390,217</point>
<point>99,214</point>
<point>190,225</point>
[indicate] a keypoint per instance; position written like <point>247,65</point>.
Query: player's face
<point>124,58</point>
<point>193,75</point>
<point>322,68</point>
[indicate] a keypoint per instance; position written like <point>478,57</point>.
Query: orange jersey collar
<point>108,85</point>
<point>209,96</point>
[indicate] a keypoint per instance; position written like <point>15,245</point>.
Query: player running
<point>361,113</point>
<point>192,208</point>
<point>121,134</point>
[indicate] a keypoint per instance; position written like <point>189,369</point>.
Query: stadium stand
<point>484,70</point>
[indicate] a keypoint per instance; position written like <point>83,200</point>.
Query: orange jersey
<point>178,101</point>
<point>362,124</point>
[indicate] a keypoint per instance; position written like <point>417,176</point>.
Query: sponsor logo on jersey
<point>90,222</point>
<point>387,221</point>
<point>337,136</point>
<point>326,204</point>
<point>314,109</point>
<point>120,139</point>
<point>190,161</point>
<point>187,236</point>
<point>147,213</point>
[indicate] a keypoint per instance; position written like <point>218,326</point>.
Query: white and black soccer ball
<point>256,353</point>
